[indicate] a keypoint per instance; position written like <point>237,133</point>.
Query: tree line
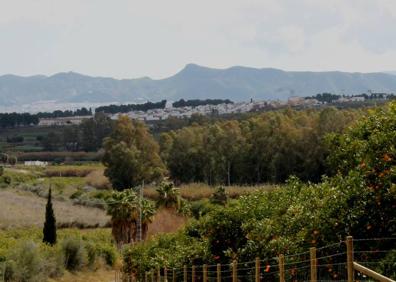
<point>88,136</point>
<point>330,97</point>
<point>12,120</point>
<point>197,102</point>
<point>265,148</point>
<point>114,109</point>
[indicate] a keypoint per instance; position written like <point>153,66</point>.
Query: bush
<point>219,197</point>
<point>12,160</point>
<point>109,254</point>
<point>74,254</point>
<point>200,208</point>
<point>26,264</point>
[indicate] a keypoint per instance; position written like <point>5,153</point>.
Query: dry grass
<point>98,180</point>
<point>199,191</point>
<point>101,275</point>
<point>166,221</point>
<point>70,170</point>
<point>26,209</point>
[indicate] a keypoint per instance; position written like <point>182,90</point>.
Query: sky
<point>157,38</point>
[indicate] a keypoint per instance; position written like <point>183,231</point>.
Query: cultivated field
<point>24,209</point>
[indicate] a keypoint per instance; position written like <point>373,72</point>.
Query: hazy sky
<point>130,38</point>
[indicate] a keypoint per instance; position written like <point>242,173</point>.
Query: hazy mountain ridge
<point>235,83</point>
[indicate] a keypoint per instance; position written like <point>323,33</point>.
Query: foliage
<point>264,148</point>
<point>168,195</point>
<point>49,230</point>
<point>197,102</point>
<point>25,264</point>
<point>155,253</point>
<point>124,209</point>
<point>219,196</point>
<point>94,130</point>
<point>24,253</point>
<point>114,109</point>
<point>131,155</point>
<point>75,254</point>
<point>359,201</point>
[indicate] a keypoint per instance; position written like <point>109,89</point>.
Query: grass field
<point>24,209</point>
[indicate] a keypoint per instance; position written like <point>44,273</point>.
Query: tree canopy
<point>131,155</point>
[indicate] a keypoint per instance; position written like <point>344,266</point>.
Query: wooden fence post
<point>281,268</point>
<point>257,276</point>
<point>165,274</point>
<point>185,273</point>
<point>350,270</point>
<point>152,275</point>
<point>205,273</point>
<point>158,274</point>
<point>314,265</point>
<point>218,269</point>
<point>234,271</point>
<point>193,273</point>
<point>173,275</point>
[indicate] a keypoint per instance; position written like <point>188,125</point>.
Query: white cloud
<point>130,38</point>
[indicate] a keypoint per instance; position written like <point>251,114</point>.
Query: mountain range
<point>192,82</point>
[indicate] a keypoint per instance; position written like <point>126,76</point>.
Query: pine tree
<point>49,230</point>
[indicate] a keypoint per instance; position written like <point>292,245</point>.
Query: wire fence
<point>335,262</point>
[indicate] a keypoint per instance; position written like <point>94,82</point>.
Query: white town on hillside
<point>188,111</point>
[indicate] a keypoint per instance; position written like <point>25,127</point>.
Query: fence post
<point>158,274</point>
<point>257,279</point>
<point>152,275</point>
<point>193,273</point>
<point>185,273</point>
<point>218,268</point>
<point>314,265</point>
<point>234,271</point>
<point>165,274</point>
<point>281,268</point>
<point>145,276</point>
<point>173,275</point>
<point>205,273</point>
<point>349,243</point>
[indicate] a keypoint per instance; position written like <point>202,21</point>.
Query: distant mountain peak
<point>237,83</point>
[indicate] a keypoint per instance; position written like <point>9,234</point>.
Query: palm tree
<point>168,195</point>
<point>123,207</point>
<point>148,212</point>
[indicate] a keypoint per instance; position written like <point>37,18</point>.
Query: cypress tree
<point>49,230</point>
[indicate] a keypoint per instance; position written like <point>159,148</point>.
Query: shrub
<point>219,197</point>
<point>74,254</point>
<point>26,264</point>
<point>91,253</point>
<point>12,160</point>
<point>109,254</point>
<point>5,179</point>
<point>200,208</point>
<point>76,194</point>
<point>98,180</point>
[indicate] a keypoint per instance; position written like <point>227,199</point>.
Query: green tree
<point>168,195</point>
<point>124,209</point>
<point>94,130</point>
<point>131,155</point>
<point>49,230</point>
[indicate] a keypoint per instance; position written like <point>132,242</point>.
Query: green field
<point>30,135</point>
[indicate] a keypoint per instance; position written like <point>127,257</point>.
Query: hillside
<point>192,82</point>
